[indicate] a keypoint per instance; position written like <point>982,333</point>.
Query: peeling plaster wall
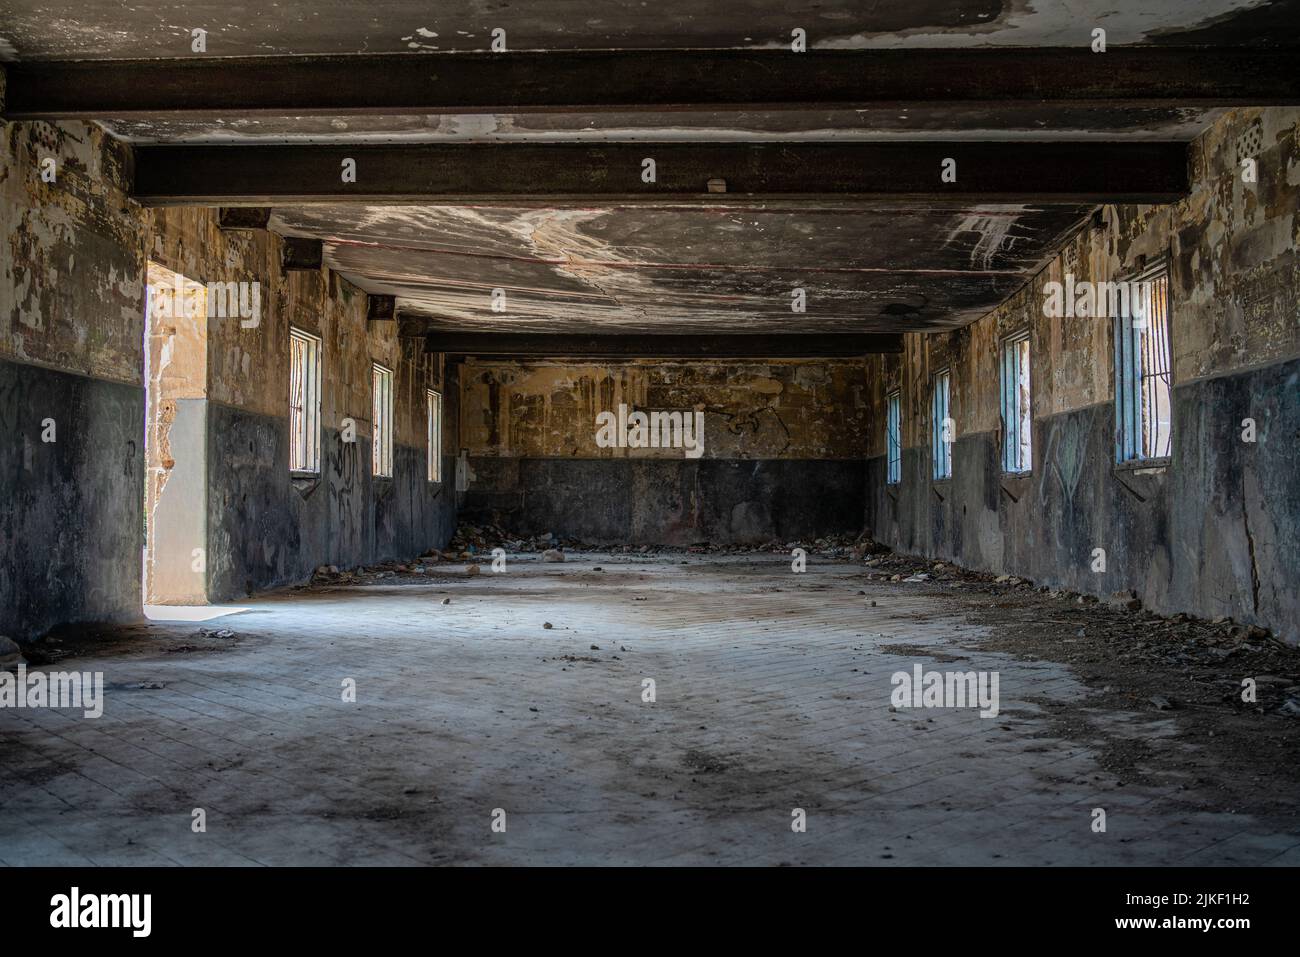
<point>783,450</point>
<point>72,310</point>
<point>1217,531</point>
<point>71,355</point>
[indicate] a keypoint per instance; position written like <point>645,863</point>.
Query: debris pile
<point>363,575</point>
<point>474,540</point>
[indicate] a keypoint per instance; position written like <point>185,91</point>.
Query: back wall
<point>783,450</point>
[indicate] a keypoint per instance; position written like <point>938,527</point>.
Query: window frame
<point>1136,389</point>
<point>433,405</point>
<point>894,437</point>
<point>1017,423</point>
<point>940,451</point>
<point>381,434</point>
<point>310,432</point>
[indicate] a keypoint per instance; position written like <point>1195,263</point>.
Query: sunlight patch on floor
<point>191,612</point>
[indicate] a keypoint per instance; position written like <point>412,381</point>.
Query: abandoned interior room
<point>664,434</point>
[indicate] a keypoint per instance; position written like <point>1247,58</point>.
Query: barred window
<point>382,416</point>
<point>1017,418</point>
<point>941,426</point>
<point>435,436</point>
<point>1143,399</point>
<point>894,439</point>
<point>304,401</point>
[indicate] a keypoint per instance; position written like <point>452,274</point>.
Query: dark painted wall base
<point>72,520</point>
<point>266,529</point>
<point>668,501</point>
<point>1216,533</point>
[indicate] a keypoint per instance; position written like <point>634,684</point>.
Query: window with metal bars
<point>1143,383</point>
<point>304,402</point>
<point>941,426</point>
<point>1017,418</point>
<point>435,436</point>
<point>381,380</point>
<point>894,439</point>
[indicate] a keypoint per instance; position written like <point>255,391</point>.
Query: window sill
<point>1140,466</point>
<point>1142,478</point>
<point>1014,485</point>
<point>304,483</point>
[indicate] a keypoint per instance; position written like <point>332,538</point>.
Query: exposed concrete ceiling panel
<point>688,268</point>
<point>72,29</point>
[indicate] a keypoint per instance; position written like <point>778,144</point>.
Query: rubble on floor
<point>1179,660</point>
<point>1232,690</point>
<point>471,540</point>
<point>472,544</point>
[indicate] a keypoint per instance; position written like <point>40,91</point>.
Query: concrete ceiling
<point>663,268</point>
<point>108,29</point>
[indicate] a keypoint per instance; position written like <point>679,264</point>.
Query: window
<point>304,402</point>
<point>1143,406</point>
<point>894,439</point>
<point>1017,419</point>
<point>381,382</point>
<point>435,436</point>
<point>941,427</point>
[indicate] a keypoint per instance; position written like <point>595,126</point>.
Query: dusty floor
<point>772,693</point>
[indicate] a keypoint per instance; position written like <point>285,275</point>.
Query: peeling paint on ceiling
<point>687,268</point>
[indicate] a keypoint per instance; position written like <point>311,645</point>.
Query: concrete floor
<point>773,693</point>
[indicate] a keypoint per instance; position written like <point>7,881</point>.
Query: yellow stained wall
<point>752,410</point>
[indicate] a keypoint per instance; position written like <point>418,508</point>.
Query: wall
<point>782,457</point>
<point>1216,530</point>
<point>72,309</point>
<point>264,528</point>
<point>71,346</point>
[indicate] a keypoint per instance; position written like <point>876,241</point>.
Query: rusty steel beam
<point>567,173</point>
<point>579,81</point>
<point>542,345</point>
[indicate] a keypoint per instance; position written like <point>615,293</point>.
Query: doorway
<point>176,388</point>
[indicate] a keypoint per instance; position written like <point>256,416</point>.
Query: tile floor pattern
<point>772,694</point>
